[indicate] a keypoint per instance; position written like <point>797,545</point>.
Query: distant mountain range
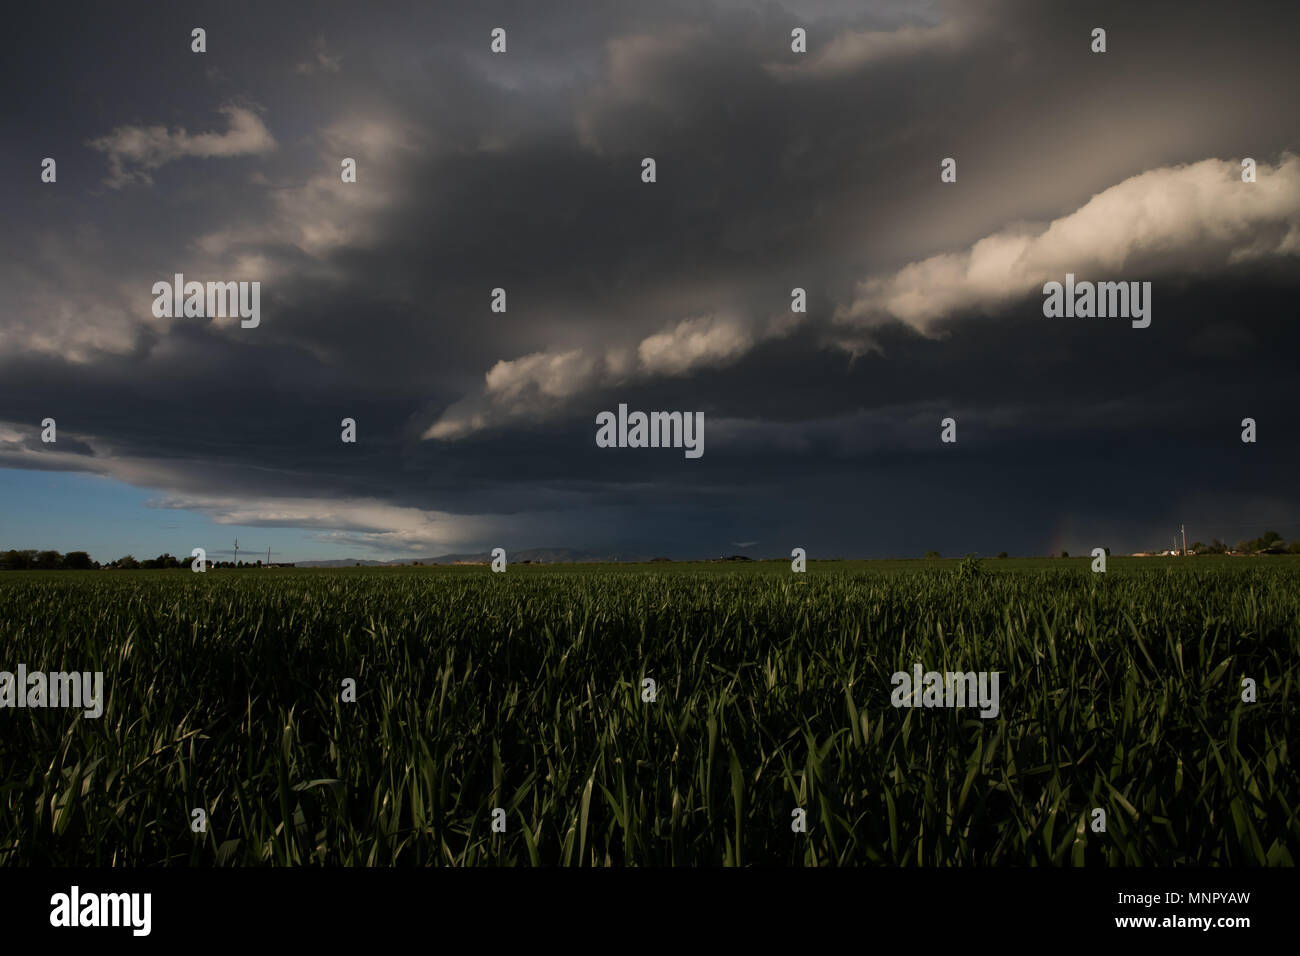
<point>534,555</point>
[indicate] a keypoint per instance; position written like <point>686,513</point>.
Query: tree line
<point>33,560</point>
<point>1270,542</point>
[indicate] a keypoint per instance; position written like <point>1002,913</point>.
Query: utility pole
<point>1183,529</point>
<point>236,561</point>
<point>268,553</point>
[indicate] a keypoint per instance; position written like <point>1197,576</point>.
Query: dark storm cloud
<point>523,171</point>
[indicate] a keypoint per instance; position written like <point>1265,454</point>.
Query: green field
<point>523,691</point>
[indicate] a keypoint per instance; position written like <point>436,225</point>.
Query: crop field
<point>525,692</point>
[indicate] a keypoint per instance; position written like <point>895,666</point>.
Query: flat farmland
<point>666,714</point>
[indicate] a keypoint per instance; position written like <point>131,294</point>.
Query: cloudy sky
<point>523,171</point>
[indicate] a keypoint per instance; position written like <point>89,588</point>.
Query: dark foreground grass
<point>523,691</point>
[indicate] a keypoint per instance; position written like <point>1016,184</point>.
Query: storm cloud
<point>776,171</point>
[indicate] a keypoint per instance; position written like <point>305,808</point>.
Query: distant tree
<point>1244,546</point>
<point>77,561</point>
<point>1002,554</point>
<point>1198,547</point>
<point>259,562</point>
<point>1217,547</point>
<point>932,554</point>
<point>1295,547</point>
<point>1065,554</point>
<point>14,561</point>
<point>128,562</point>
<point>48,561</point>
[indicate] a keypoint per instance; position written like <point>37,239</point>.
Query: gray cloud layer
<point>775,171</point>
